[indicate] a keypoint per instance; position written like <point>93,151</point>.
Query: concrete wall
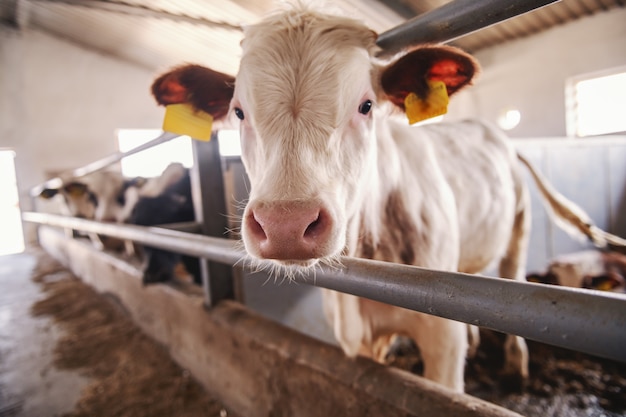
<point>529,74</point>
<point>60,104</point>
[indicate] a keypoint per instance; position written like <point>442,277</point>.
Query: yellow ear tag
<point>184,120</point>
<point>435,104</point>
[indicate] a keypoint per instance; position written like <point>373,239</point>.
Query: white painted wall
<point>530,73</point>
<point>60,104</point>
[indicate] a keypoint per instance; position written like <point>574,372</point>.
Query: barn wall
<point>529,74</point>
<point>589,172</point>
<point>60,104</point>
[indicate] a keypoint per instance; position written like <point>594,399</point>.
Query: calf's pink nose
<point>288,230</point>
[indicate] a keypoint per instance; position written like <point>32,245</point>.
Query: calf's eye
<point>365,107</point>
<point>239,113</point>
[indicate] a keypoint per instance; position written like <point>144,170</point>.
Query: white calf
<point>333,172</point>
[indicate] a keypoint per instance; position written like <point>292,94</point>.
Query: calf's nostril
<point>315,227</point>
<point>255,228</point>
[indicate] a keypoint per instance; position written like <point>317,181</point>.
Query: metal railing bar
<point>216,249</point>
<point>584,320</point>
<point>453,20</point>
<point>101,163</point>
<point>587,321</point>
<point>187,227</point>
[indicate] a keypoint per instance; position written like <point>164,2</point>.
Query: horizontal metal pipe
<point>101,163</point>
<point>187,227</point>
<point>453,20</point>
<point>215,249</point>
<point>584,320</point>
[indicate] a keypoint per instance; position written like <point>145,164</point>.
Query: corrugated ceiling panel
<point>160,42</point>
<point>533,22</point>
<point>150,42</point>
<point>372,12</point>
<point>227,11</point>
<point>422,6</point>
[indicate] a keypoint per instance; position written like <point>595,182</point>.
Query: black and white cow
<point>99,196</point>
<point>172,205</point>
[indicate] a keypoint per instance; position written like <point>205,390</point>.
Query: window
<point>11,237</point>
<point>596,104</point>
<point>152,162</point>
<point>229,143</point>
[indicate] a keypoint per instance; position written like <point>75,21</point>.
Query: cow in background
<point>99,196</point>
<point>333,172</point>
<point>591,269</point>
<point>163,200</point>
<point>150,187</point>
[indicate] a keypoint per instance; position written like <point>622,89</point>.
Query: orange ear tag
<point>184,120</point>
<point>436,104</point>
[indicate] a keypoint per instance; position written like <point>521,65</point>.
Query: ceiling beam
<point>143,11</point>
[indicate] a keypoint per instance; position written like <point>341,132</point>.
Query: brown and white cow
<point>334,172</point>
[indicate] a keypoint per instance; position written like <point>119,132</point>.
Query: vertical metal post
<point>207,186</point>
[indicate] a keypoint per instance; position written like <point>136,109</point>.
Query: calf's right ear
<point>420,82</point>
<point>203,88</point>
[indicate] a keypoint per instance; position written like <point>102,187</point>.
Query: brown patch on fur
<point>398,235</point>
<point>400,228</point>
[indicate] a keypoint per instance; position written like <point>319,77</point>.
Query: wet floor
<point>30,385</point>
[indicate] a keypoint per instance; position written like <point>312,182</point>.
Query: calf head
<point>79,200</point>
<point>99,196</point>
<point>305,97</point>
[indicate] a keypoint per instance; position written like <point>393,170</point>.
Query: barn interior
<point>75,77</point>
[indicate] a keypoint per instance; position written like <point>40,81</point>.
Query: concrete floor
<point>30,386</point>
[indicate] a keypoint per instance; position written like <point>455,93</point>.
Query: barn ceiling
<point>159,33</point>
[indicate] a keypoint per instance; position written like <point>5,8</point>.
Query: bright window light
<point>11,237</point>
<point>152,162</point>
<point>432,120</point>
<point>596,105</point>
<point>229,142</point>
<point>509,119</point>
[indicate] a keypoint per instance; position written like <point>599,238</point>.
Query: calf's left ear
<point>416,71</point>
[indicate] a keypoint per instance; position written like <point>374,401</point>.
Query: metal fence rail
<point>101,163</point>
<point>583,320</point>
<point>453,20</point>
